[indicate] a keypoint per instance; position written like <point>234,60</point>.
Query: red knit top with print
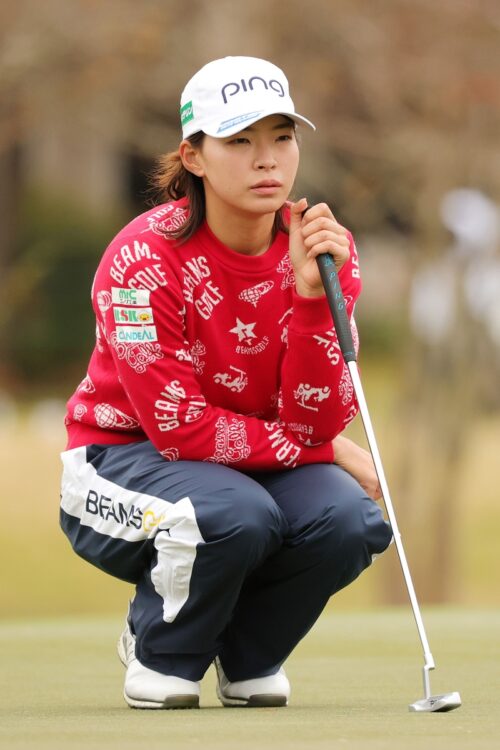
<point>211,354</point>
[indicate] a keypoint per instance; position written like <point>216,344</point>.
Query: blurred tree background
<point>406,98</point>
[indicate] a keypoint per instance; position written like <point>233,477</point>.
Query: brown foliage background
<point>406,97</point>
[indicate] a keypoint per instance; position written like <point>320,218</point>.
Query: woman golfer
<point>204,462</point>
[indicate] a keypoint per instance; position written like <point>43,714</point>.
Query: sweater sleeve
<point>161,385</point>
<point>317,399</point>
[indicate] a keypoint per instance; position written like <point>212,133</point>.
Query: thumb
<point>296,211</point>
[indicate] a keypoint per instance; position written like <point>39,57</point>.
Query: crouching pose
<point>205,462</point>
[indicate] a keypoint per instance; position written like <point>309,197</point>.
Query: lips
<point>267,184</point>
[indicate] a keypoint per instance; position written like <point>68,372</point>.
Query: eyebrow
<point>279,126</point>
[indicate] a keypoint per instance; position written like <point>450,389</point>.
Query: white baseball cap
<point>228,95</point>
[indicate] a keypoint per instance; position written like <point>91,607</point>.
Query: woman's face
<point>252,171</point>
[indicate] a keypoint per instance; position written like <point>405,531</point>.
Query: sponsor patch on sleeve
<point>138,316</point>
<point>136,334</point>
<point>136,297</point>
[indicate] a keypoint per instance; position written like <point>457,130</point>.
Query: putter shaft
<point>370,436</point>
<point>336,301</point>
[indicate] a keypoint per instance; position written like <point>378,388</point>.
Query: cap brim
<point>219,130</point>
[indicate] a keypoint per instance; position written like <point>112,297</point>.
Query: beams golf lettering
<point>105,508</point>
<point>287,452</point>
<point>97,504</point>
<point>175,406</point>
<point>150,277</point>
<point>195,272</point>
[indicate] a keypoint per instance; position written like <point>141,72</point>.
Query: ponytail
<point>172,181</point>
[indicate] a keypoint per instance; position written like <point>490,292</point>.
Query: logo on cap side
<point>243,85</point>
<point>187,113</point>
<point>237,120</point>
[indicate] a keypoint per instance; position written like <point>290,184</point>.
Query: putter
<point>329,277</point>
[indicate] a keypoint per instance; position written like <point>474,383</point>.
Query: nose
<point>265,158</point>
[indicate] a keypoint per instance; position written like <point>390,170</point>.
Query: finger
<point>326,235</point>
<point>328,246</point>
<point>323,223</point>
<point>317,211</point>
<point>371,490</point>
<point>340,254</point>
<point>296,211</point>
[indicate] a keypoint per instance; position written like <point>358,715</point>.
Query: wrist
<point>340,445</point>
<point>304,290</point>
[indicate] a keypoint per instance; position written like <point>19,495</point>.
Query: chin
<point>267,204</point>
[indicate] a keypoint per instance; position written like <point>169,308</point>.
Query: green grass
<point>352,679</point>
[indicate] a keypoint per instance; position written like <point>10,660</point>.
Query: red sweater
<point>211,354</point>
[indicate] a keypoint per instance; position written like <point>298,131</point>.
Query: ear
<point>191,158</point>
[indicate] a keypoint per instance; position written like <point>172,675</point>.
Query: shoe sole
<point>172,702</point>
<point>259,700</point>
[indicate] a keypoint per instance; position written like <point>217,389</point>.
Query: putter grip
<point>336,301</point>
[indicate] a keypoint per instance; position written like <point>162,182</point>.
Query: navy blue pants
<point>224,562</point>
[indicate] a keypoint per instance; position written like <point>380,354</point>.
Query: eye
<point>286,137</point>
<point>237,141</point>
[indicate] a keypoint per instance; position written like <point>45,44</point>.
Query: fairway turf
<point>352,679</point>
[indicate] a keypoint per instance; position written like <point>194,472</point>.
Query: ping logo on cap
<point>234,87</point>
<point>187,113</point>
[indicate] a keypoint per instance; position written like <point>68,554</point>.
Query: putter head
<point>446,702</point>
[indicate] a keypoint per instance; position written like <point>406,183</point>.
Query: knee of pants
<point>365,530</point>
<point>245,518</point>
<point>353,530</point>
<point>365,527</point>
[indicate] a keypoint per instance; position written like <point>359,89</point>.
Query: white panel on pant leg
<point>176,542</point>
<point>115,511</point>
<point>105,506</point>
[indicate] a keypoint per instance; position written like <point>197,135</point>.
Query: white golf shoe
<point>145,688</point>
<point>261,692</point>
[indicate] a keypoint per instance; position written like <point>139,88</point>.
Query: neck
<point>247,234</point>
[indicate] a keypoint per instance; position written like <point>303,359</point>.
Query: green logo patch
<point>187,113</point>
